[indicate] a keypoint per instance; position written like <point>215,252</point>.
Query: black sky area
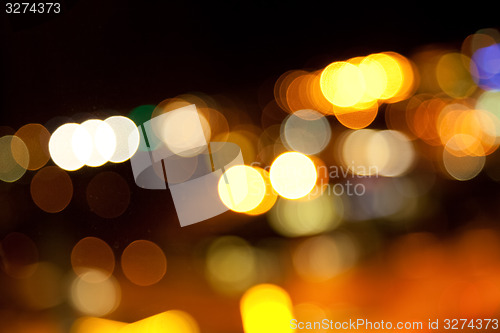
<point>116,55</point>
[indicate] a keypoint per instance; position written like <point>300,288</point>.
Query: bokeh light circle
<point>241,188</point>
<point>231,264</point>
<point>95,295</point>
<point>127,138</point>
<point>296,218</point>
<point>464,167</point>
<point>36,138</point>
<point>323,257</point>
<point>14,158</point>
<point>306,131</point>
<point>92,253</point>
<point>102,143</point>
<point>270,195</point>
<point>342,84</point>
<point>51,189</point>
<point>143,263</point>
<point>183,130</point>
<point>266,308</point>
<point>70,146</point>
<point>293,175</point>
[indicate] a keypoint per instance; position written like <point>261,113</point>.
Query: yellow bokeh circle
<point>293,175</point>
<point>241,188</point>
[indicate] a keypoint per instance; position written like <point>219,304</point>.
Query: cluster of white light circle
<point>94,142</point>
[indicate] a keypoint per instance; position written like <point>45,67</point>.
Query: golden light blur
<point>242,188</point>
<point>293,175</point>
<point>169,321</point>
<point>321,258</point>
<point>282,89</point>
<point>310,312</point>
<point>245,140</point>
<point>44,288</point>
<point>368,189</point>
<point>230,265</point>
<point>270,196</point>
<point>143,263</point>
<point>266,308</point>
<point>462,167</point>
<point>343,84</point>
<point>469,132</point>
<point>357,86</point>
<point>454,78</point>
<point>96,325</point>
<point>295,218</point>
<point>402,79</point>
<point>94,294</point>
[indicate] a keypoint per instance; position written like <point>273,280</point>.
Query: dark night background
<point>113,56</point>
